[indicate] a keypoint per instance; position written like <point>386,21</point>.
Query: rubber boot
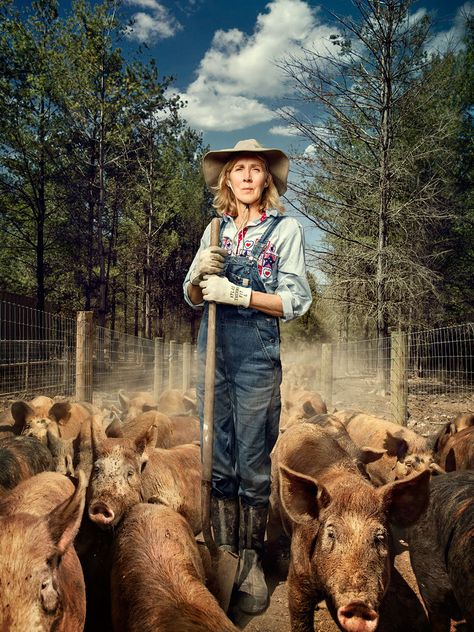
<point>252,591</point>
<point>225,522</point>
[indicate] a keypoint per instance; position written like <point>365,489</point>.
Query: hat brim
<point>277,161</point>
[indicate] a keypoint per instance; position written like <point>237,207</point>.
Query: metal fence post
<point>399,377</point>
<point>172,364</point>
<point>84,348</point>
<point>158,367</point>
<point>326,373</point>
<point>186,365</point>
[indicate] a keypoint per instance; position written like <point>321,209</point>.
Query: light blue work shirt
<point>281,265</point>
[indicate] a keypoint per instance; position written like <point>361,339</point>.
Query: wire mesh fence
<point>394,376</point>
<point>45,353</point>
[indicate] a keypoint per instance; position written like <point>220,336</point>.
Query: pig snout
<point>101,514</point>
<point>357,617</point>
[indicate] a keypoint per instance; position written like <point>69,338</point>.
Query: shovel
<point>225,562</point>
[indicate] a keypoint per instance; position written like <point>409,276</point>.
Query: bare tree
<point>367,178</point>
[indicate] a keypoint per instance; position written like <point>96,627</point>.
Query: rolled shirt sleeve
<point>205,242</point>
<point>292,283</point>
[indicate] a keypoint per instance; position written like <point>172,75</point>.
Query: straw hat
<point>277,161</point>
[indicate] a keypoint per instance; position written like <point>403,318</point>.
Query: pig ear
<point>60,411</point>
<point>124,401</point>
<point>450,461</point>
<point>114,429</point>
<point>54,443</point>
<point>369,455</point>
<point>407,498</point>
<point>146,440</point>
<point>65,519</point>
<point>395,446</point>
<point>21,411</point>
<point>308,409</point>
<point>96,437</point>
<point>301,496</point>
<point>147,407</point>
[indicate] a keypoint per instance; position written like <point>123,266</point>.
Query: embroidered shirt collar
<point>271,212</point>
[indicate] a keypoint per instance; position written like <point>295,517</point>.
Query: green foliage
<point>101,197</point>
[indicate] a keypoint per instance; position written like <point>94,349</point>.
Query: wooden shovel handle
<point>208,418</point>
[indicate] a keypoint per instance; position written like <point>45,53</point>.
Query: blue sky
<point>223,54</point>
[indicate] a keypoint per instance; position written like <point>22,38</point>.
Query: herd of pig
<point>100,509</point>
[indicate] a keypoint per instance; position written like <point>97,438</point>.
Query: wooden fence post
<point>399,377</point>
<point>186,365</point>
<point>158,367</point>
<point>84,352</point>
<point>326,373</point>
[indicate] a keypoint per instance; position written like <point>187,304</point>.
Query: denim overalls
<point>247,388</point>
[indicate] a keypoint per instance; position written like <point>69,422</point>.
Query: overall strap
<point>262,242</point>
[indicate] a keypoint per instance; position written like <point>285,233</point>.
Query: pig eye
<point>330,533</point>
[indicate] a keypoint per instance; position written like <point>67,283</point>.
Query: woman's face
<point>247,179</point>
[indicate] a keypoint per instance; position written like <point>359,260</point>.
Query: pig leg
<point>302,600</point>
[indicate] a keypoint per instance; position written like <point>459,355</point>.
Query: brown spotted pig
<point>441,546</point>
<point>41,581</point>
<point>458,451</point>
<point>406,451</point>
<point>20,458</point>
<point>126,472</point>
<point>339,522</point>
<point>158,580</point>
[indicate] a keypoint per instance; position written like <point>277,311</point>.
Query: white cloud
<point>239,70</point>
<point>224,113</point>
<point>283,130</point>
<point>148,27</point>
<point>452,37</point>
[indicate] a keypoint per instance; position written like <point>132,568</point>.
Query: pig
<point>126,472</point>
<point>31,418</point>
<point>69,416</point>
<point>41,582</point>
<point>172,401</point>
<point>158,579</point>
<point>184,429</point>
<point>82,444</point>
<point>460,422</point>
<point>441,546</point>
<point>62,451</point>
<point>341,548</point>
<point>136,403</point>
<point>20,458</point>
<point>458,451</point>
<point>135,426</point>
<point>407,451</point>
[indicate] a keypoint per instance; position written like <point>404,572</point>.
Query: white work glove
<point>210,261</point>
<point>220,290</point>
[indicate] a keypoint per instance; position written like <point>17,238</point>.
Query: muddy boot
<point>252,591</point>
<point>225,522</point>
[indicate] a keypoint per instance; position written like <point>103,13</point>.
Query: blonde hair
<point>224,199</point>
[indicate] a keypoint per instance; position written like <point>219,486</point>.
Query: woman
<point>256,276</point>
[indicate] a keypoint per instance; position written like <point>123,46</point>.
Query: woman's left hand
<point>219,289</point>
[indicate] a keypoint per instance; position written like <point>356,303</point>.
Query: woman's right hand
<point>210,261</point>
